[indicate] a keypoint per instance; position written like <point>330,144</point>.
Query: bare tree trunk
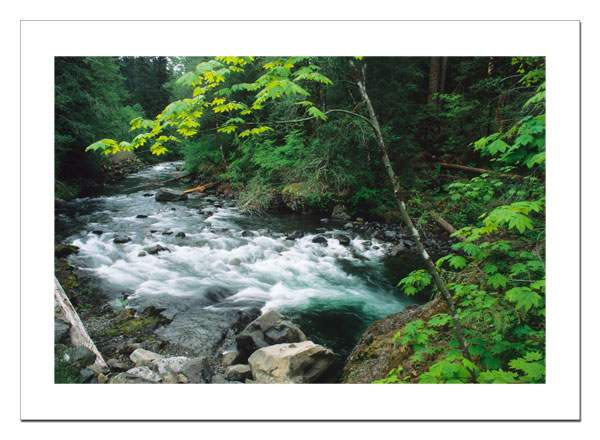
<point>439,282</point>
<point>221,146</point>
<point>443,74</point>
<point>444,224</point>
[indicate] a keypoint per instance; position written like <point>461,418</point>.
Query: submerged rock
<point>169,195</point>
<point>344,240</point>
<point>153,250</point>
<point>301,362</point>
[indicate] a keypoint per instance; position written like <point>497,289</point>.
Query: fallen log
<point>201,188</point>
<point>445,225</point>
<point>475,170</point>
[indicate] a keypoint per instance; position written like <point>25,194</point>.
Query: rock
<point>324,220</point>
<point>349,225</point>
<point>180,235</point>
<point>238,373</point>
<point>247,234</point>
<point>320,239</point>
<point>79,357</point>
<point>122,378</point>
<point>359,220</point>
<point>117,365</point>
<point>141,216</point>
<point>196,370</point>
<point>218,378</point>
<point>141,357</point>
<point>64,250</point>
<point>142,254</point>
<point>344,240</point>
<point>120,239</point>
<point>169,195</point>
<point>268,329</point>
<point>230,357</point>
<point>172,365</point>
<point>293,195</point>
<point>102,378</point>
<point>86,375</point>
<point>59,203</point>
<point>389,235</point>
<point>295,235</point>
<point>374,355</point>
<point>98,232</point>
<point>167,233</point>
<point>339,213</point>
<point>148,195</point>
<point>396,249</point>
<point>61,330</point>
<point>301,362</point>
<point>156,249</point>
<point>145,373</point>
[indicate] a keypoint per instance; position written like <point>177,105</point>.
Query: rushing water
<point>229,262</point>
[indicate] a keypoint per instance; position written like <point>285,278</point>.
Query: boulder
<point>153,250</point>
<point>196,370</point>
<point>295,235</point>
<point>238,373</point>
<point>120,239</point>
<point>61,330</point>
<point>268,329</point>
<point>117,365</point>
<point>349,225</point>
<point>145,373</point>
<point>169,195</point>
<point>141,216</point>
<point>320,239</point>
<point>79,357</point>
<point>344,240</point>
<point>180,235</point>
<point>141,357</point>
<point>339,213</point>
<point>301,362</point>
<point>172,365</point>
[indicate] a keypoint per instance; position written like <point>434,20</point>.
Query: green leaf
<point>524,298</point>
<point>497,280</point>
<point>457,262</point>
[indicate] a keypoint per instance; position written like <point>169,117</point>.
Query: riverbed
<point>221,264</point>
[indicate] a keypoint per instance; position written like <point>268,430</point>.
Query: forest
<point>439,161</point>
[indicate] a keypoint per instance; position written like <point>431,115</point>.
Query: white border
<point>558,399</point>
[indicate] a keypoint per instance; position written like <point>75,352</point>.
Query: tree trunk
<point>434,78</point>
<point>395,183</point>
<point>221,146</point>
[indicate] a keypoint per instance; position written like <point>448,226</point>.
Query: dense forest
<point>448,147</point>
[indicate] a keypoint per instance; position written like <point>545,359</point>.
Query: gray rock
<point>389,235</point>
<point>123,378</point>
<point>295,235</point>
<point>61,330</point>
<point>344,240</point>
<point>117,365</point>
<point>79,357</point>
<point>141,357</point>
<point>339,213</point>
<point>169,195</point>
<point>142,254</point>
<point>301,362</point>
<point>268,329</point>
<point>145,373</point>
<point>141,216</point>
<point>349,225</point>
<point>320,239</point>
<point>86,375</point>
<point>120,239</point>
<point>324,220</point>
<point>238,373</point>
<point>218,378</point>
<point>153,250</point>
<point>180,235</point>
<point>196,370</point>
<point>172,365</point>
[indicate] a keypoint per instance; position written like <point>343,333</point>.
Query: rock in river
<point>169,195</point>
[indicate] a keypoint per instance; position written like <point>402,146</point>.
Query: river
<point>228,263</point>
